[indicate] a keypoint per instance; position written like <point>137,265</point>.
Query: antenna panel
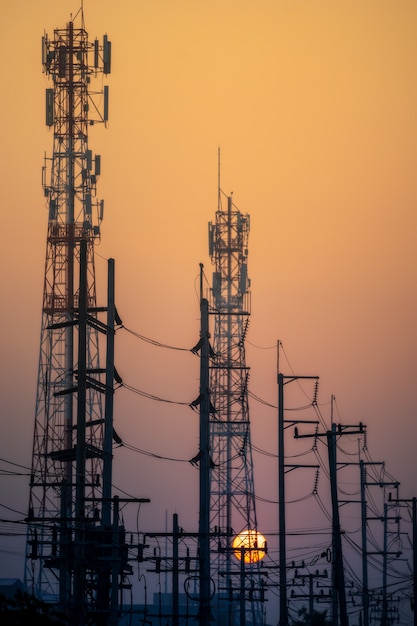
<point>49,107</point>
<point>88,203</point>
<point>106,55</point>
<point>97,165</point>
<point>106,103</point>
<point>96,54</point>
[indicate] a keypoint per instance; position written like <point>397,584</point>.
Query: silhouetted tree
<point>317,619</point>
<point>24,610</point>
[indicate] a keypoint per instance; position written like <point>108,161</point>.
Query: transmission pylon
<point>73,550</point>
<point>240,590</point>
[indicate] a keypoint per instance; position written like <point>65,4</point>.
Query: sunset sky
<point>314,106</point>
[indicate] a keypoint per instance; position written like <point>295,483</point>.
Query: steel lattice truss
<point>232,495</point>
<point>74,216</point>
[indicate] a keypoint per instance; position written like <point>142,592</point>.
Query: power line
<point>151,396</point>
<point>153,342</point>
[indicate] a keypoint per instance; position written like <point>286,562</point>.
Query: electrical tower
<point>74,548</point>
<point>239,586</point>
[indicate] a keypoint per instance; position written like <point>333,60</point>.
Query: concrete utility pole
<point>338,577</point>
<point>311,596</point>
<point>283,602</point>
<point>283,595</point>
<point>338,572</point>
<point>79,605</point>
<point>413,502</point>
<point>204,464</point>
<point>365,584</point>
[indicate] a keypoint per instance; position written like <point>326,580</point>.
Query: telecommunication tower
<point>240,590</point>
<point>71,537</point>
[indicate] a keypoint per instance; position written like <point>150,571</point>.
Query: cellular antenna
<point>71,559</point>
<point>232,494</point>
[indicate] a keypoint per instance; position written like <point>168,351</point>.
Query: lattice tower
<point>232,493</point>
<point>75,214</point>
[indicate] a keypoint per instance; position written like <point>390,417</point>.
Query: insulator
<point>316,389</point>
<point>365,445</point>
<point>316,434</point>
<point>245,330</point>
<point>316,482</point>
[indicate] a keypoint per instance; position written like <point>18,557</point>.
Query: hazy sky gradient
<point>313,103</point>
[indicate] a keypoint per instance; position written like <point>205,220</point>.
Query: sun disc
<point>250,544</point>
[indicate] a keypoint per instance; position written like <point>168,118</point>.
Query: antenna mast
<point>232,495</point>
<point>71,545</point>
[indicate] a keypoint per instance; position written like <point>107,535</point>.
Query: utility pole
<point>364,519</point>
<point>338,572</point>
<point>384,552</point>
<point>414,518</point>
<point>338,577</point>
<point>283,602</point>
<point>283,595</point>
<point>175,572</point>
<point>311,596</point>
<point>414,560</point>
<point>79,606</point>
<point>204,464</point>
<point>413,502</point>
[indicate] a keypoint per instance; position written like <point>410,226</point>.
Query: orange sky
<point>313,103</point>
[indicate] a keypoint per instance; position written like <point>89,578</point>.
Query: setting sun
<point>253,545</point>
